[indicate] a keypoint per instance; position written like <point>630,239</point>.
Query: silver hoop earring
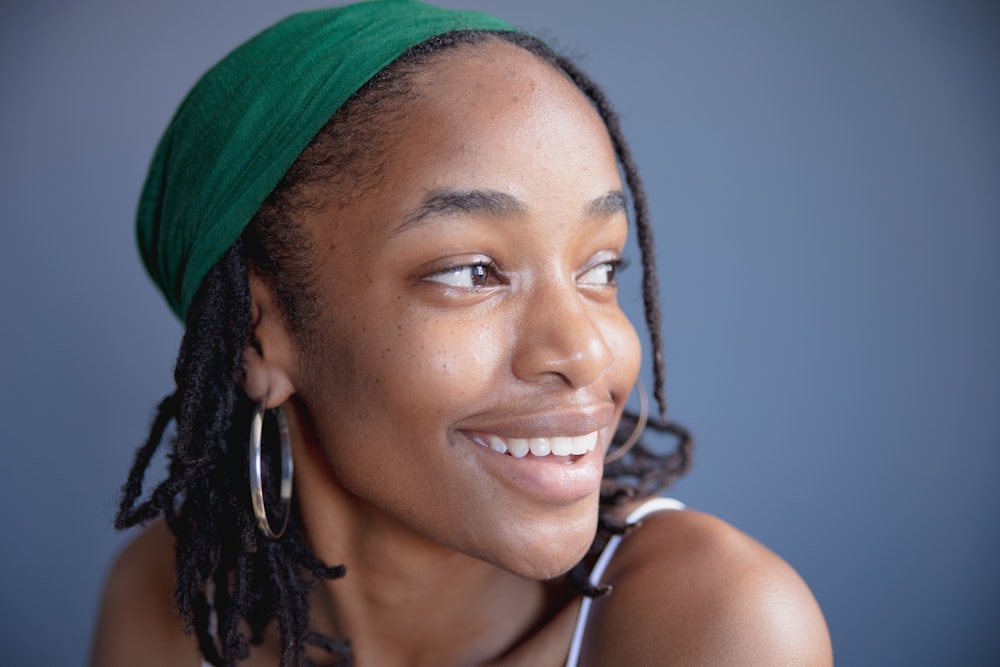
<point>256,490</point>
<point>640,426</point>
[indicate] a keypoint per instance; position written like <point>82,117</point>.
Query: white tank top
<point>638,514</point>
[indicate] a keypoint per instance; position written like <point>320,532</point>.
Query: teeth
<point>518,447</point>
<point>521,447</point>
<point>585,443</point>
<point>561,446</point>
<point>498,445</point>
<point>539,446</point>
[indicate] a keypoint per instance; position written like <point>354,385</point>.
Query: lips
<point>535,468</point>
<point>552,455</point>
<point>559,445</point>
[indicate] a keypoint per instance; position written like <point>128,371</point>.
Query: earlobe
<point>269,357</point>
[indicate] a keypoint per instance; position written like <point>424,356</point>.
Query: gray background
<point>825,180</point>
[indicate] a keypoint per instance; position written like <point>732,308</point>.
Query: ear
<point>270,356</point>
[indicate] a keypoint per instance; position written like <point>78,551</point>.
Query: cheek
<point>402,372</point>
<point>439,364</point>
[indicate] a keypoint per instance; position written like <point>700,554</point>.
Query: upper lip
<point>566,421</point>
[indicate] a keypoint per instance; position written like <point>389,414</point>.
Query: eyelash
<point>615,266</point>
<point>484,271</point>
<point>450,276</point>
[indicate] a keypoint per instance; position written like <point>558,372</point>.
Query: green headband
<point>247,120</point>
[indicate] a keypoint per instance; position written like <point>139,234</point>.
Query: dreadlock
<point>223,563</point>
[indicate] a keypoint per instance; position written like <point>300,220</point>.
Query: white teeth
<point>518,447</point>
<point>521,447</point>
<point>539,446</point>
<point>498,445</point>
<point>584,443</point>
<point>561,446</point>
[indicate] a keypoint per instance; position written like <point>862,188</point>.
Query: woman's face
<point>469,315</point>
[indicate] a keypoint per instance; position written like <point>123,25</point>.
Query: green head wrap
<point>246,121</point>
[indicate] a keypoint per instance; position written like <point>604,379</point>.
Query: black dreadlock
<point>219,552</point>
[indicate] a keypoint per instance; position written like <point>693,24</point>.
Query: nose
<point>558,336</point>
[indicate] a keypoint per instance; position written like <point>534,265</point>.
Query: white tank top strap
<point>649,507</point>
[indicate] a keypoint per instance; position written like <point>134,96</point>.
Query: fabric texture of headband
<point>248,118</point>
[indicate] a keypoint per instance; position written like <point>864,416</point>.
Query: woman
<point>392,232</point>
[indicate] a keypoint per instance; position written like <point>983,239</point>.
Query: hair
<point>224,565</point>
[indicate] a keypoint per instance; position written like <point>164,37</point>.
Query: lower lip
<point>552,479</point>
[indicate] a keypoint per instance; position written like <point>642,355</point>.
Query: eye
<point>468,276</point>
<point>603,274</point>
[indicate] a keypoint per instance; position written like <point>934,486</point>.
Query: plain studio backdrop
<point>825,184</point>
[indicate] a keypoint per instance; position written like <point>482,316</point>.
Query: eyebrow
<point>605,206</point>
<point>495,204</point>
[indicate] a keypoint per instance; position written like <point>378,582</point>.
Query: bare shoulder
<point>689,589</point>
<point>137,624</point>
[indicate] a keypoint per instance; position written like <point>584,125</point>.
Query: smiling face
<point>470,361</point>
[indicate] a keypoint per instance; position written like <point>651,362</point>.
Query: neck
<point>405,599</point>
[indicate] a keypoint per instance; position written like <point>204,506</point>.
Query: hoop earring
<point>640,426</point>
<point>256,489</point>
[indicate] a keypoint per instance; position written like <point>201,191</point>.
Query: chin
<point>550,568</point>
<point>548,554</point>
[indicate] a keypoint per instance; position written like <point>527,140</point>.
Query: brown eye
<point>602,274</point>
<point>469,276</point>
<point>479,274</point>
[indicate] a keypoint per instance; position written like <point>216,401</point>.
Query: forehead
<point>498,90</point>
<point>489,117</point>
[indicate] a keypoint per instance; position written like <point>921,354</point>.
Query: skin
<point>472,298</point>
